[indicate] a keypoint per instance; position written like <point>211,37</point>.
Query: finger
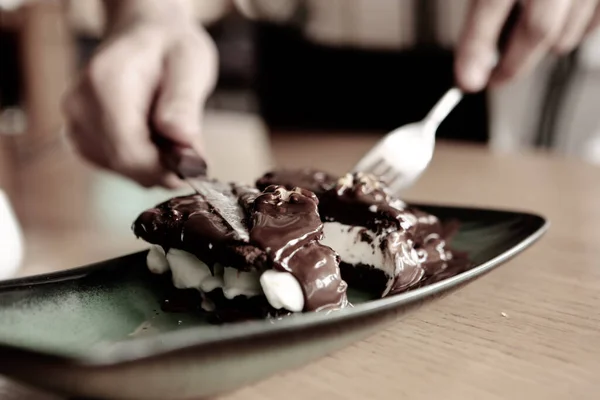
<point>86,146</point>
<point>533,36</point>
<point>123,94</point>
<point>172,181</point>
<point>89,151</point>
<point>476,51</point>
<point>595,21</point>
<point>187,80</point>
<point>578,20</point>
<point>139,161</point>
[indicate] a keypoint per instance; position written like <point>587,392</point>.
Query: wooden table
<point>528,330</point>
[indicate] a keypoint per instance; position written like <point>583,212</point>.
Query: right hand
<point>154,70</point>
<point>544,26</point>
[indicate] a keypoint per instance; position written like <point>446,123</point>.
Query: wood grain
<point>528,330</point>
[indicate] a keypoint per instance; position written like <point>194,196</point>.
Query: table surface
<point>530,329</point>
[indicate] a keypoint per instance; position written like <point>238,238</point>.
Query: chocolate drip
<point>288,226</point>
<point>409,270</point>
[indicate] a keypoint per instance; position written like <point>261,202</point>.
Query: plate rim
<point>149,347</point>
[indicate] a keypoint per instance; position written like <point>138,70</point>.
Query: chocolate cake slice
<point>283,260</point>
<point>385,246</point>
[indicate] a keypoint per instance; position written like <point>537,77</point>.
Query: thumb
<point>187,80</point>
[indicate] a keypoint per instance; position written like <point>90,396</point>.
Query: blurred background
<point>301,83</point>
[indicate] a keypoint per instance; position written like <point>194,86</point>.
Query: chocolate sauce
<point>285,223</point>
<point>285,228</point>
<point>288,226</point>
<point>417,240</point>
<point>362,200</point>
<point>189,223</point>
<point>409,270</point>
<point>310,179</point>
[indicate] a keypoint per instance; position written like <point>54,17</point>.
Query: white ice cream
<point>156,260</point>
<point>348,242</point>
<point>238,283</point>
<point>191,273</point>
<point>281,289</point>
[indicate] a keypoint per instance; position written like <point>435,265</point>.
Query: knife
<point>191,168</point>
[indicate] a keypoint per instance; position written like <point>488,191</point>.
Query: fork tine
<point>387,173</point>
<point>374,167</point>
<point>396,184</point>
<point>392,178</point>
<point>381,169</point>
<point>387,169</point>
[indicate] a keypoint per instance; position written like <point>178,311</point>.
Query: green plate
<point>98,331</point>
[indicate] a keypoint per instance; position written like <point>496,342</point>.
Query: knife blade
<point>191,167</point>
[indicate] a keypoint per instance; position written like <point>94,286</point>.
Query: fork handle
<point>443,107</point>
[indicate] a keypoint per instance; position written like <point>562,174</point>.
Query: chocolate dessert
<point>310,236</point>
<point>385,246</point>
<point>283,261</point>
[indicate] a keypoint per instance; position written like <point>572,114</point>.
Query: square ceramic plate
<point>99,331</point>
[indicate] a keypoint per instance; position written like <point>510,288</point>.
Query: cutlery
<point>404,154</point>
<point>191,168</point>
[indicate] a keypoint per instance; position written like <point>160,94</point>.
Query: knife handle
<point>184,161</point>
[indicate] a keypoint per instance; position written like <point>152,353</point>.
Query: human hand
<point>544,26</point>
<point>153,72</point>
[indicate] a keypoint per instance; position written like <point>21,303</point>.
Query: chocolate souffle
<point>311,235</point>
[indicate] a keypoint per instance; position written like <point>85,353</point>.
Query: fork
<point>404,154</point>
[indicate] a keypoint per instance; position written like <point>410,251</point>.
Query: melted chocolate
<point>288,226</point>
<point>362,200</point>
<point>310,179</point>
<point>416,239</point>
<point>189,223</point>
<point>285,228</point>
<point>285,222</point>
<point>409,270</point>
